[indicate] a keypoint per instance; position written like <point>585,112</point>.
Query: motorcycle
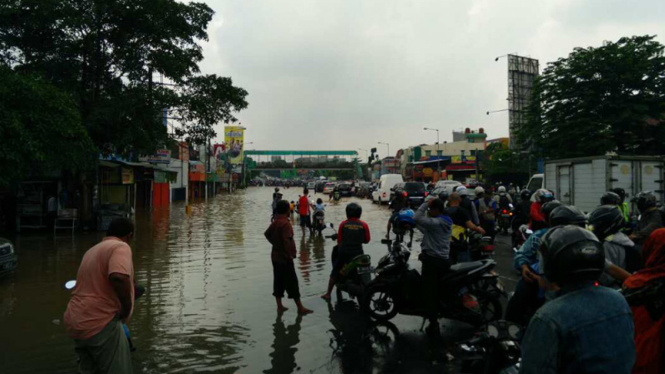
<point>505,218</point>
<point>521,235</point>
<point>494,351</point>
<point>138,292</point>
<point>396,289</point>
<point>480,248</point>
<point>354,276</point>
<point>319,221</point>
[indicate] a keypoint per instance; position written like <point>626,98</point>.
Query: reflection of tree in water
<point>283,356</point>
<point>359,344</point>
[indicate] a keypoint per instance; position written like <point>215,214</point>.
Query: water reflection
<point>283,356</point>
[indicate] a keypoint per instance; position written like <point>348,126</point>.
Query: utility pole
<point>438,161</point>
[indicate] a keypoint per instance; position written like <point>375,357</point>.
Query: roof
<point>300,153</point>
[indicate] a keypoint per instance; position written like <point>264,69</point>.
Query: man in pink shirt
<point>101,301</point>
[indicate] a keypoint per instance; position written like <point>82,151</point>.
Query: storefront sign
<point>161,156</point>
<point>127,176</point>
<point>428,172</point>
<point>234,137</point>
<point>184,151</point>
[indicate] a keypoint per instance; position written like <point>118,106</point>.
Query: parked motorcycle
<point>520,236</point>
<point>493,351</point>
<point>396,289</point>
<point>354,276</point>
<point>505,218</point>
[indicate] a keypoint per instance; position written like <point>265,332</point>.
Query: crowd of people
<point>591,289</point>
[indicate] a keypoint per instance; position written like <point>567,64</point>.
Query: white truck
<point>582,181</point>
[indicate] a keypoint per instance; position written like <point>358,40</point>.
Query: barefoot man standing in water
<point>280,235</point>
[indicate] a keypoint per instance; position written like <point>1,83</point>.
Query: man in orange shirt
<point>304,211</point>
<point>101,301</point>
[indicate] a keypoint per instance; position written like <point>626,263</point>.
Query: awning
<point>136,164</point>
<point>108,164</point>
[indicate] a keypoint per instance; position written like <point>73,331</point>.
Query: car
<point>383,191</point>
<point>363,189</point>
<point>320,185</point>
<point>8,259</point>
<point>328,189</point>
<point>311,186</point>
<point>414,192</point>
<point>448,185</point>
<point>344,190</point>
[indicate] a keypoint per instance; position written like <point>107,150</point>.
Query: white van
<point>386,183</point>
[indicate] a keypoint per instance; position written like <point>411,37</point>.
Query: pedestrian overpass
<point>289,160</point>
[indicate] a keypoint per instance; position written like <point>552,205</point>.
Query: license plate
<point>364,270</point>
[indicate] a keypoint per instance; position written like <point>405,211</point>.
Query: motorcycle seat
<point>462,268</point>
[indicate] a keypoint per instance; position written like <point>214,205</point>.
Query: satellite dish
<point>70,284</point>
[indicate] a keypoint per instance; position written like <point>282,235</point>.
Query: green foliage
<point>108,54</point>
<point>40,128</point>
<point>599,100</point>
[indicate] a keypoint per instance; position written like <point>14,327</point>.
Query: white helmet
<point>502,189</point>
<point>462,191</point>
<point>479,190</point>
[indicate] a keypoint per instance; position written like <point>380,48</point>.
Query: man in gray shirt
<point>437,229</point>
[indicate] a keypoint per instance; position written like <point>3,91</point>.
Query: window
<point>428,153</point>
<point>473,152</point>
<point>410,158</point>
<point>439,153</point>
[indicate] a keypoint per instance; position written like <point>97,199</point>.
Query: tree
<point>599,100</point>
<point>40,127</point>
<point>501,164</point>
<point>106,54</point>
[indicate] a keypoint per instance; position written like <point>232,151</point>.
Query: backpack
<point>504,203</point>
<point>486,211</point>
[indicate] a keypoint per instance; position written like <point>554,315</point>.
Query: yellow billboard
<point>234,137</point>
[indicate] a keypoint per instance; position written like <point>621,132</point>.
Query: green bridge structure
<point>288,164</point>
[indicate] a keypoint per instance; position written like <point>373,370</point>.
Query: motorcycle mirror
<point>529,231</point>
<point>514,331</point>
<point>331,225</point>
<point>70,284</point>
<point>493,331</point>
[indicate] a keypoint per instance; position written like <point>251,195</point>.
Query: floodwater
<point>208,305</point>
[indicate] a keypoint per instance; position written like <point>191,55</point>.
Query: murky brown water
<point>208,307</point>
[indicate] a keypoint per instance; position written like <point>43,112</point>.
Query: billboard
<point>522,71</point>
<point>234,137</point>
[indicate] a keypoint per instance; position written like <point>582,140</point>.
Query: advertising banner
<point>234,137</point>
<point>161,156</point>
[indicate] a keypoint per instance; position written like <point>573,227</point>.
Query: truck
<point>582,181</point>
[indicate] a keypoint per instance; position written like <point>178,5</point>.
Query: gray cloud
<point>346,74</point>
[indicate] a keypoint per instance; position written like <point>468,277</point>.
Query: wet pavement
<point>208,305</point>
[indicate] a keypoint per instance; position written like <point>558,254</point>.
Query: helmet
<point>571,253</point>
<point>525,194</point>
<point>462,191</point>
<point>610,198</point>
<point>645,200</point>
<point>621,192</point>
<point>276,189</point>
<point>567,215</point>
<point>605,221</point>
<point>479,190</point>
<point>547,208</point>
<point>354,210</point>
<point>543,196</point>
<point>443,196</point>
<point>406,216</point>
<point>502,189</point>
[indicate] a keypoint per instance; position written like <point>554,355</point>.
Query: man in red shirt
<point>102,300</point>
<point>304,211</point>
<point>352,234</point>
<point>280,235</point>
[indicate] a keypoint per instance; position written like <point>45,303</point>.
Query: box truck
<point>582,181</point>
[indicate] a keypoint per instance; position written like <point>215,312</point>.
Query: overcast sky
<point>324,74</point>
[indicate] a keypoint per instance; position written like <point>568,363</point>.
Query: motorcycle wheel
<point>379,304</point>
<point>490,305</point>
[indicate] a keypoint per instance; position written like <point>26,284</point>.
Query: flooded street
<point>208,305</point>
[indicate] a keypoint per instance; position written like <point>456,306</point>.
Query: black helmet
<point>571,253</point>
<point>549,207</point>
<point>645,200</point>
<point>525,194</point>
<point>621,192</point>
<point>444,196</point>
<point>610,198</point>
<point>567,215</point>
<point>605,221</point>
<point>354,210</point>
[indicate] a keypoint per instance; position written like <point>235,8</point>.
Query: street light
<point>387,144</point>
<point>497,111</point>
<point>438,164</point>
